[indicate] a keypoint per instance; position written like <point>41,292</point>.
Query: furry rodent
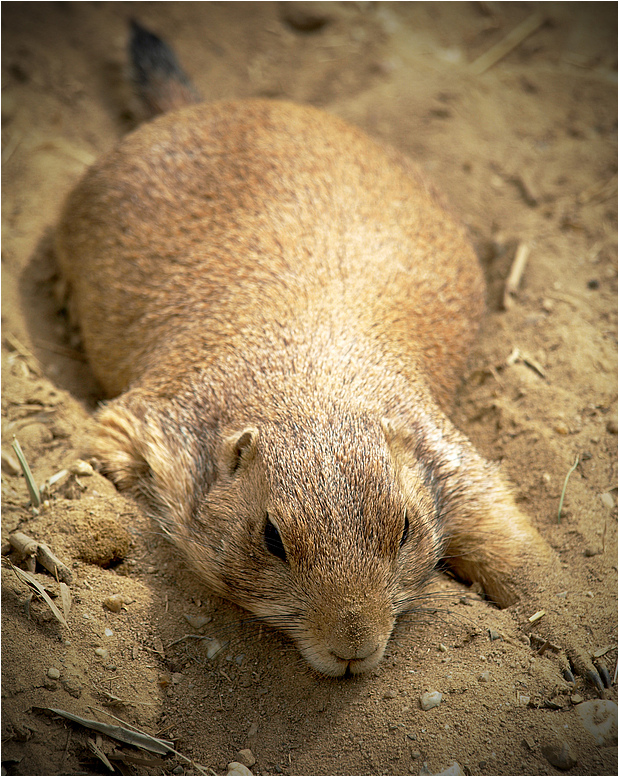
<point>283,309</point>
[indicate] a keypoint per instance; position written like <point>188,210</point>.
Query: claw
<point>604,673</point>
<point>569,677</point>
<point>594,679</point>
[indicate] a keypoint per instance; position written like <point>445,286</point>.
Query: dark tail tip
<point>158,78</point>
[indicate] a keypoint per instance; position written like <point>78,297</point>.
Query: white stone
<point>454,769</point>
<point>430,699</point>
<point>599,717</point>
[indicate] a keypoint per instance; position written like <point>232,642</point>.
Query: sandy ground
<point>526,152</point>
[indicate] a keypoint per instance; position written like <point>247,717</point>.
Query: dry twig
<point>33,490</point>
<point>515,275</point>
<point>29,547</point>
<point>509,42</point>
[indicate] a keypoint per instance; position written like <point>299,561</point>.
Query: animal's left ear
<point>240,448</point>
<point>399,437</point>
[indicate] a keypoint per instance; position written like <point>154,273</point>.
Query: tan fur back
<point>250,225</point>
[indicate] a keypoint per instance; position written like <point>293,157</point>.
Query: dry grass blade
<point>14,344</point>
<point>33,489</point>
<point>32,582</point>
<point>100,754</point>
<point>196,766</point>
<point>567,477</point>
<point>65,598</point>
<point>137,739</point>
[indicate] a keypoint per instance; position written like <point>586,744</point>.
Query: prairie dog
<point>282,308</point>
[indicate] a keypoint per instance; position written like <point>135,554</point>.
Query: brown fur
<point>285,309</point>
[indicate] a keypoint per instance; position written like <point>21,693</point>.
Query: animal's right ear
<point>240,448</point>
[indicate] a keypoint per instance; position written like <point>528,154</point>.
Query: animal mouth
<point>351,666</point>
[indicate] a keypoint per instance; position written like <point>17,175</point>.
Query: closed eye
<point>404,536</point>
<point>273,541</point>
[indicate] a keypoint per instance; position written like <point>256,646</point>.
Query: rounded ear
<point>399,437</point>
<point>240,448</point>
<point>389,429</point>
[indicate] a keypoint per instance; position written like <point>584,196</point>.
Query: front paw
<point>573,656</point>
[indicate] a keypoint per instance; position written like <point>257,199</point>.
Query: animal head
<point>324,527</point>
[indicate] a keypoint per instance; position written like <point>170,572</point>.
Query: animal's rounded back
<point>224,218</point>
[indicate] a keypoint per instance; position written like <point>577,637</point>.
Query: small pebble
<point>214,647</point>
<point>523,699</point>
<point>390,694</point>
<point>607,500</point>
<point>246,757</point>
<point>559,756</point>
<point>197,621</point>
<point>442,648</point>
<point>108,633</point>
<point>234,767</point>
<point>430,699</point>
<point>114,603</point>
<point>177,678</point>
<point>484,677</point>
<point>561,428</point>
<point>53,673</point>
<point>102,652</point>
<point>10,465</point>
<point>178,770</point>
<point>599,717</point>
<point>494,635</point>
<point>73,687</point>
<point>576,698</point>
<point>611,425</point>
<point>81,467</point>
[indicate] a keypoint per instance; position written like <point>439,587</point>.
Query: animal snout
<point>356,637</point>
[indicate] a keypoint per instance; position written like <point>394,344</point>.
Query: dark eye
<point>273,541</point>
<point>405,532</point>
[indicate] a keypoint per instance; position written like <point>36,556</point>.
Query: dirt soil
<point>526,153</point>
